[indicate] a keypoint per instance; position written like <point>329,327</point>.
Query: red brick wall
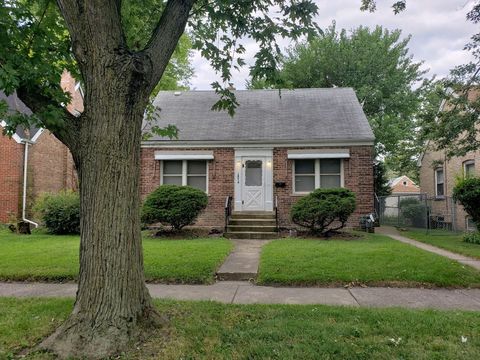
<point>358,176</point>
<point>11,167</point>
<point>220,182</point>
<point>68,84</point>
<point>51,167</point>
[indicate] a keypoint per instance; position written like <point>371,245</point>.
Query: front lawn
<point>374,260</point>
<point>44,257</point>
<point>445,240</point>
<point>207,330</point>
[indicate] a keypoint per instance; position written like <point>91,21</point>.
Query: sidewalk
<point>242,263</point>
<point>232,292</point>
<point>395,234</point>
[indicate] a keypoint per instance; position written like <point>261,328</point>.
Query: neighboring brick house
<point>438,175</point>
<point>277,148</point>
<point>403,185</point>
<point>437,179</point>
<point>50,166</point>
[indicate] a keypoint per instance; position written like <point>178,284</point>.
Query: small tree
<point>467,193</point>
<point>324,210</point>
<point>175,205</point>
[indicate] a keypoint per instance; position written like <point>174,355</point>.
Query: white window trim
<point>184,173</point>
<point>183,155</point>
<point>465,164</point>
<point>319,154</point>
<point>317,176</point>
<point>436,183</point>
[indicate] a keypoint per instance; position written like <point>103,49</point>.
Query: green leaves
<point>220,26</point>
<point>377,64</point>
<point>323,209</point>
<point>467,193</point>
<point>455,125</point>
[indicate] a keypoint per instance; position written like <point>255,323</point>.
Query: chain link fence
<point>418,211</point>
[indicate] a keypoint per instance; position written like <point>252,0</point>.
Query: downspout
<point>25,171</point>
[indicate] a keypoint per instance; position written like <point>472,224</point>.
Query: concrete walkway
<point>232,292</point>
<point>242,263</point>
<point>395,234</point>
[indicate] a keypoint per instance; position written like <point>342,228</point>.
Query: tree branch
<point>95,28</point>
<point>165,37</point>
<point>66,132</point>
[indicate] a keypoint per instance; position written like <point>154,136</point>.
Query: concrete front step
<point>252,222</point>
<point>254,228</point>
<point>251,235</point>
<point>252,215</point>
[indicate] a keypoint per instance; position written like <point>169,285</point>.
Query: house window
<point>469,224</point>
<point>469,168</point>
<point>310,174</point>
<point>185,172</point>
<point>439,183</point>
<point>304,175</point>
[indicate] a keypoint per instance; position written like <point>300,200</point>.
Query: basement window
<point>469,224</point>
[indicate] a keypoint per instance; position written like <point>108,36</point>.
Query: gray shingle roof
<point>15,104</point>
<point>265,115</point>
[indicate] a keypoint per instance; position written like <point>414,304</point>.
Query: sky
<point>439,31</point>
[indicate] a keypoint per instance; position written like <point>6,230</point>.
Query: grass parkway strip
<point>207,330</point>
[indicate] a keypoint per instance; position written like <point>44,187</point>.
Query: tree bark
<point>113,306</point>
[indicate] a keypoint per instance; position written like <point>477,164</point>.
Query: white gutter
<point>25,171</point>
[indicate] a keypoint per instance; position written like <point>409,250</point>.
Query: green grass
<point>445,240</point>
<point>206,330</point>
<point>373,260</point>
<point>44,257</point>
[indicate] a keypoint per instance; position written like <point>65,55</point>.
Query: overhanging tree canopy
<point>377,64</point>
<point>93,39</point>
<point>120,50</point>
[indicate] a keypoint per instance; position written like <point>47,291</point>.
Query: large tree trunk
<point>113,306</point>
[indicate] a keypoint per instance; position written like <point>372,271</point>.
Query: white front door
<point>253,180</point>
<point>253,184</point>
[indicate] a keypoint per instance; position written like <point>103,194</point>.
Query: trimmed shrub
<point>60,213</point>
<point>324,210</point>
<point>414,210</point>
<point>467,193</point>
<point>472,237</point>
<point>174,205</point>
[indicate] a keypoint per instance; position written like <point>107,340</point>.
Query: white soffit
<point>183,155</point>
<point>319,154</point>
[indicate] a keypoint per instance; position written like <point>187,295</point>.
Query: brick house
<point>277,148</point>
<point>437,180</point>
<point>403,185</point>
<point>50,166</point>
<point>438,175</point>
